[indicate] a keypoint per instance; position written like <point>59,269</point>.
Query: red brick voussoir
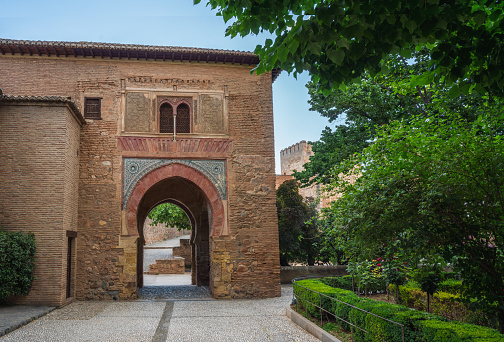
<point>175,170</point>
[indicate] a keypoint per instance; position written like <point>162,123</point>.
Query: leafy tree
<point>394,273</point>
<point>170,215</point>
<point>367,273</point>
<point>17,262</point>
<point>428,276</point>
<point>338,41</point>
<point>310,240</point>
<point>433,186</point>
<point>296,228</point>
<point>375,101</point>
<point>331,246</point>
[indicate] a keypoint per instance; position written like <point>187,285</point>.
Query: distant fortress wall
<point>294,157</point>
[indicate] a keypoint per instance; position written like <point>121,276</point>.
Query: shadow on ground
<point>174,292</point>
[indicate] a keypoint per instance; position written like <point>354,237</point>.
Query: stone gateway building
<point>93,136</point>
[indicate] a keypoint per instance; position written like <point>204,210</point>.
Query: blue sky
<point>159,22</point>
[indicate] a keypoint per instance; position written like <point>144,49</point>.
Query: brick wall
<point>245,262</point>
<point>184,251</point>
<point>167,266</point>
<point>38,173</point>
<point>160,232</point>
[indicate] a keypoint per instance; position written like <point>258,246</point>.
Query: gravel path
<point>171,320</point>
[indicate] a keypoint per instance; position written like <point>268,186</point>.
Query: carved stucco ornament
<point>135,169</point>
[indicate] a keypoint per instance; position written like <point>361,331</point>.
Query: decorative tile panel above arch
<point>136,168</point>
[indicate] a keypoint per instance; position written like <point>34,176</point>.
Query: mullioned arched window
<point>183,119</point>
<point>166,118</point>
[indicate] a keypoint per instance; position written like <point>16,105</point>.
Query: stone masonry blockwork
<point>73,176</point>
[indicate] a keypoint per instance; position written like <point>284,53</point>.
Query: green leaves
<point>296,225</point>
<point>336,56</point>
<point>170,215</point>
<point>433,186</point>
<point>17,261</point>
<point>369,31</point>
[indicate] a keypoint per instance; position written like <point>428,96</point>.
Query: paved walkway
<point>199,320</point>
<point>14,316</point>
<point>167,279</point>
<point>160,250</point>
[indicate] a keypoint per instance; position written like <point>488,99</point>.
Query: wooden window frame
<point>189,124</point>
<point>92,116</point>
<point>165,104</point>
<point>175,106</point>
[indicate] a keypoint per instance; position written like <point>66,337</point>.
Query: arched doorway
<point>167,252</point>
<point>193,192</point>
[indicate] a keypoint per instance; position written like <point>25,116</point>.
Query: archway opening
<point>167,254</point>
<point>192,200</point>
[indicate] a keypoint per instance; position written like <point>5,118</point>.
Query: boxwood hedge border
<point>370,320</point>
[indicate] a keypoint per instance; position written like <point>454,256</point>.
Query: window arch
<point>183,119</point>
<point>166,118</point>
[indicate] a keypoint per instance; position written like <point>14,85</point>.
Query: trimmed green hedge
<point>419,326</point>
<point>345,282</point>
<point>17,261</point>
<point>445,304</point>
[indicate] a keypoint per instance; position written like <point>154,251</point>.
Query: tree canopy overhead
<point>373,102</point>
<point>170,215</point>
<point>337,41</point>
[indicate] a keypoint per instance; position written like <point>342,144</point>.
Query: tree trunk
<point>311,261</point>
<point>283,260</point>
<point>501,317</point>
<point>397,294</point>
<point>428,303</point>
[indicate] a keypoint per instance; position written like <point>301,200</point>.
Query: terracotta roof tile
<point>46,99</point>
<point>128,51</point>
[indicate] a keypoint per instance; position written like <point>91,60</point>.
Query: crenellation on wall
<point>294,157</point>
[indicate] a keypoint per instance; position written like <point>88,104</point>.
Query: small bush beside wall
<point>419,326</point>
<point>17,261</point>
<point>446,304</point>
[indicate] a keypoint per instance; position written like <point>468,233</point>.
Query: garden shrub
<point>17,261</point>
<point>381,330</point>
<point>345,282</point>
<point>448,305</point>
<point>358,318</point>
<point>343,311</point>
<point>419,326</point>
<point>411,297</point>
<point>439,331</point>
<point>306,297</point>
<point>451,286</point>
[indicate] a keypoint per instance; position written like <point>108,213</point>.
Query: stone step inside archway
<point>172,250</point>
<point>175,265</point>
